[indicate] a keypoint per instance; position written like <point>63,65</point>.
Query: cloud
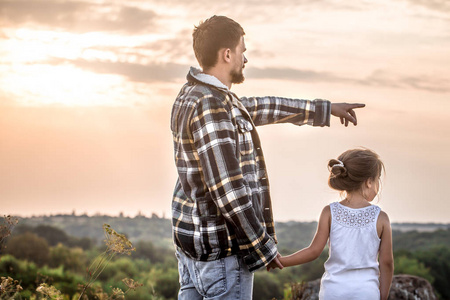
<point>77,16</point>
<point>155,72</point>
<point>419,82</point>
<point>377,78</point>
<point>173,49</point>
<point>438,5</point>
<point>292,74</point>
<point>171,72</point>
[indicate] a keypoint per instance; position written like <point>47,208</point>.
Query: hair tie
<point>340,164</point>
<point>341,170</point>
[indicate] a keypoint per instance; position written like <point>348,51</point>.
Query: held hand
<point>275,263</point>
<point>345,112</point>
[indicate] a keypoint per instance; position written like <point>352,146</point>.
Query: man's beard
<point>237,77</point>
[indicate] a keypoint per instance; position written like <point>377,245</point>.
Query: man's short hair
<point>212,35</point>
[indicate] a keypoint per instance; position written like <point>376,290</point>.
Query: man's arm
<point>214,139</point>
<point>273,110</point>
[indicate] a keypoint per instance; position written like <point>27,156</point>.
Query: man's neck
<point>222,76</point>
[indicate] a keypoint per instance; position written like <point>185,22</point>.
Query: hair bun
<point>337,168</point>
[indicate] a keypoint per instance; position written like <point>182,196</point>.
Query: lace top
<point>351,217</point>
<point>351,271</point>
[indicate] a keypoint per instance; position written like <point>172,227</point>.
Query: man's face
<point>239,61</point>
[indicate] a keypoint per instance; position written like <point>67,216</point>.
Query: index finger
<point>357,105</point>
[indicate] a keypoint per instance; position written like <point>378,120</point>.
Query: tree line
<point>48,254</point>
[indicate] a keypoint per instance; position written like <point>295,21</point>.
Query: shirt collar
<point>199,76</point>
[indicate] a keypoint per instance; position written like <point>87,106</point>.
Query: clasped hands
<point>275,263</point>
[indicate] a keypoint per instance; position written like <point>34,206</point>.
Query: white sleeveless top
<point>351,271</point>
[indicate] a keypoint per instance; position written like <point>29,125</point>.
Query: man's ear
<point>226,54</point>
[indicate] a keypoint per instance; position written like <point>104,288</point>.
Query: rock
<point>404,287</point>
<point>306,290</point>
<point>408,287</point>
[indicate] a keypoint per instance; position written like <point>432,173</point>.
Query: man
<point>223,227</point>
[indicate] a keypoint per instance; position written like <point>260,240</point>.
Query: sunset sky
<point>86,89</point>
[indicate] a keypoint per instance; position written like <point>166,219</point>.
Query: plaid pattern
<point>221,204</point>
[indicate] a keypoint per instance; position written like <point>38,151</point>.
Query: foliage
<point>55,236</point>
<point>293,236</point>
<point>148,250</point>
<point>73,259</point>
<point>157,230</point>
<point>437,260</point>
<point>36,250</point>
<point>49,292</point>
<point>23,271</point>
<point>267,286</point>
<point>414,240</point>
<point>154,263</point>
<point>165,282</point>
<point>411,266</point>
<point>9,288</point>
<point>6,228</point>
<point>116,243</point>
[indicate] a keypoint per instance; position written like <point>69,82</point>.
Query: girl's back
<point>351,271</point>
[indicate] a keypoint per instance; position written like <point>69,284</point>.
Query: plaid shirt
<point>221,204</point>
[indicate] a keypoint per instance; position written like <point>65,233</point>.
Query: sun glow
<point>36,67</point>
<point>65,84</point>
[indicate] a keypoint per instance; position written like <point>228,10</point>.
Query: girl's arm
<point>385,256</point>
<point>319,241</point>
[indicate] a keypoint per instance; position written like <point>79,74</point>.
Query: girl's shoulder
<point>326,212</point>
<point>383,224</point>
<point>383,218</point>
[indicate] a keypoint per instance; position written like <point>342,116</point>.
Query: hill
<point>291,235</point>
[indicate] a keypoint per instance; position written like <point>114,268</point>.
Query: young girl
<point>359,233</point>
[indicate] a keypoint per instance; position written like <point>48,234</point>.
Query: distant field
<point>420,227</point>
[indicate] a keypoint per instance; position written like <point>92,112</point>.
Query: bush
<point>72,259</point>
<point>23,271</point>
<point>437,260</point>
<point>267,286</point>
<point>29,246</point>
<point>411,266</point>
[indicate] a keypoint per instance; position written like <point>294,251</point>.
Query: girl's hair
<point>353,168</point>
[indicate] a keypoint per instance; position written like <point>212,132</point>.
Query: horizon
<point>164,217</point>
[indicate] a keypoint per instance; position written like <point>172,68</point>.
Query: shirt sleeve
<point>214,139</point>
<point>273,110</point>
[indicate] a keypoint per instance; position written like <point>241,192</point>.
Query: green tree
<point>73,259</point>
<point>267,286</point>
<point>411,266</point>
<point>437,260</point>
<point>23,271</point>
<point>29,246</point>
<point>84,243</point>
<point>118,269</point>
<point>51,234</point>
<point>166,283</point>
<point>146,249</point>
<point>65,281</point>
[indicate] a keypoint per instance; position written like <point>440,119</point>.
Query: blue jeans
<point>226,278</point>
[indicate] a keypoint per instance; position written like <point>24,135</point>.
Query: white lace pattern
<point>350,217</point>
